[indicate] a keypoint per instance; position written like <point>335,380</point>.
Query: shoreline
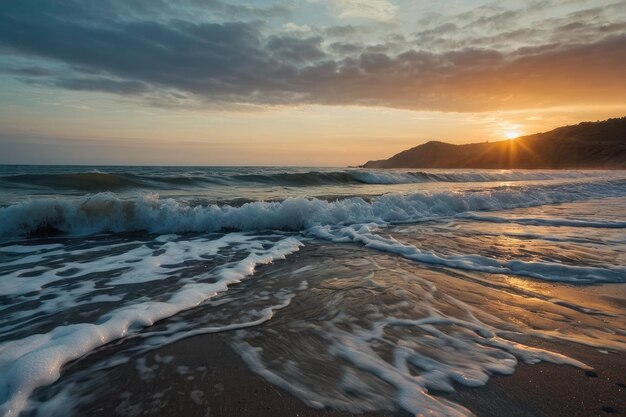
<point>549,390</point>
<point>339,286</point>
<point>202,376</point>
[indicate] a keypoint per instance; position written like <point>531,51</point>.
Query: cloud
<point>486,62</point>
<point>30,71</point>
<point>102,84</point>
<point>382,10</point>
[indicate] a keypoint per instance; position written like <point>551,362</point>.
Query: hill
<point>588,145</point>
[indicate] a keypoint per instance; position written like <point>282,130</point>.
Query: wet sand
<point>201,376</point>
<point>205,378</point>
<point>549,390</point>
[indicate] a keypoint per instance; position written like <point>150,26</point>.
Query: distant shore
<point>588,145</point>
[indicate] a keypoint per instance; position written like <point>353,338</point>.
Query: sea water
<point>352,289</point>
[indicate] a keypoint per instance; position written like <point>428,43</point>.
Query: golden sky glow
<point>301,83</point>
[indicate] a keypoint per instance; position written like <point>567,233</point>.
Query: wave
<point>107,212</point>
<point>545,222</point>
<point>36,360</point>
<point>347,177</point>
<point>99,181</point>
<point>95,181</point>
<point>544,270</point>
<point>395,177</point>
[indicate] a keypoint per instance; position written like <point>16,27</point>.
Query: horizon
<point>314,83</point>
<point>306,166</point>
<point>268,208</point>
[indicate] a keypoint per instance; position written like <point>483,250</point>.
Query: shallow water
<point>353,289</point>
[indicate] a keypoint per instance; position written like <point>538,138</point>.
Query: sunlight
<point>355,205</point>
<point>512,134</point>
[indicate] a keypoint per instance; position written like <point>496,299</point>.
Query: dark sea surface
<point>351,289</point>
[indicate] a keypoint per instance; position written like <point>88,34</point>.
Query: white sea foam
<point>264,315</point>
<point>408,177</point>
<point>549,271</point>
<point>139,263</point>
<point>387,355</point>
<point>36,360</point>
<point>106,212</point>
<point>54,279</point>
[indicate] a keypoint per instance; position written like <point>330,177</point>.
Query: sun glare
<point>512,134</point>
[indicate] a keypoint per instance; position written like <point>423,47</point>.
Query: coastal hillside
<point>587,145</point>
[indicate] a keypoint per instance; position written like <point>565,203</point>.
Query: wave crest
<point>107,212</point>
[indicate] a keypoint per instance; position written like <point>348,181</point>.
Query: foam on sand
<point>393,338</point>
<point>36,360</point>
<point>549,271</point>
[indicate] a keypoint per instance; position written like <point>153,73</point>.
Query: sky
<point>296,82</point>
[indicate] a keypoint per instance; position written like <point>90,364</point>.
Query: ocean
<point>349,289</point>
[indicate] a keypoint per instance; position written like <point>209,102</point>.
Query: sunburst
<point>512,134</point>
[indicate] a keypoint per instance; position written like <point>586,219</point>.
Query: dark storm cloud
<point>167,52</point>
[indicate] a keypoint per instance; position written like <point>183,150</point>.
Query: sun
<point>512,134</point>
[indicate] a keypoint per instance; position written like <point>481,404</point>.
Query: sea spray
<point>108,212</point>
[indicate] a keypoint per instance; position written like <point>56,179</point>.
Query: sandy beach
<point>460,311</point>
<point>204,375</point>
<point>312,208</point>
<point>205,378</point>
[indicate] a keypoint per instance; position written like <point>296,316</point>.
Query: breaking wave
<point>107,212</point>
